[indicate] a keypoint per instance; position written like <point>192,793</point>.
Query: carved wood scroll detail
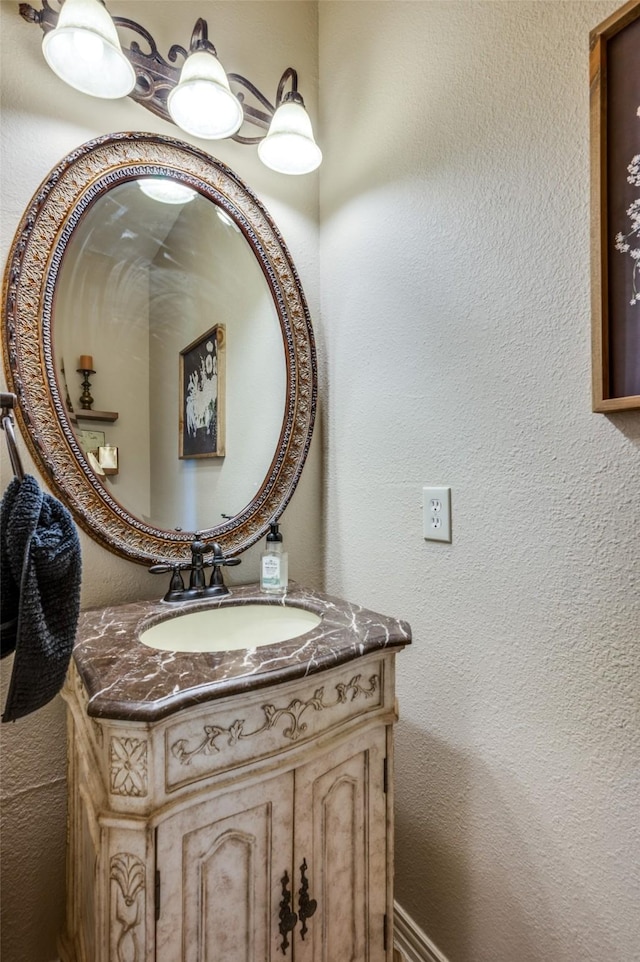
<point>98,731</point>
<point>293,711</point>
<point>127,906</point>
<point>128,761</point>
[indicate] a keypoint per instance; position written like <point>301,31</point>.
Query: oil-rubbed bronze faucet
<point>198,587</point>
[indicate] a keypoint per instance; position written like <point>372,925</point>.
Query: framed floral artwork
<point>614,70</point>
<point>202,396</point>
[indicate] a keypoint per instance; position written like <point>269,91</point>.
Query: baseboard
<point>410,941</point>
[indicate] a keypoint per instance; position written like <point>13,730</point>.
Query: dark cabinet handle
<point>288,919</point>
<point>306,906</point>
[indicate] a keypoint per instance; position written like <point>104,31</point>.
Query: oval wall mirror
<point>159,342</point>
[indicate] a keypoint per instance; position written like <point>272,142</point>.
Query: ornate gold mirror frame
<point>29,289</point>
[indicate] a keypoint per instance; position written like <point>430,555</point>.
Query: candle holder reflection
<point>86,368</point>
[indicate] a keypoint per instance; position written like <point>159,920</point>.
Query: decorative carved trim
<point>128,757</point>
<point>294,710</point>
<point>127,906</point>
<point>29,288</point>
<point>75,684</point>
<point>98,731</point>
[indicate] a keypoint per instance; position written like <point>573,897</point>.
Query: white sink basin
<point>230,628</point>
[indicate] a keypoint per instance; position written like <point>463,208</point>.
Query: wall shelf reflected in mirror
<point>93,416</point>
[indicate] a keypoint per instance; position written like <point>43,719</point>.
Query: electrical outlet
<point>436,514</point>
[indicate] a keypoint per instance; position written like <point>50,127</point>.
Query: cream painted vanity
<point>232,806</point>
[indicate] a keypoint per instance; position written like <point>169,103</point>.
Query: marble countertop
<point>126,679</point>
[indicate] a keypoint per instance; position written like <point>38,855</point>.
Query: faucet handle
<point>219,562</point>
<point>161,568</point>
<point>176,586</point>
<point>219,559</point>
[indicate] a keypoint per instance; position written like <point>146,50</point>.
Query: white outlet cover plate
<point>436,514</point>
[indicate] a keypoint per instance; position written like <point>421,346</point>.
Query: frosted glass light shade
<point>84,51</point>
<point>289,147</point>
<point>202,103</point>
<point>165,190</point>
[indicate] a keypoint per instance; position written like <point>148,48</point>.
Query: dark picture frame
<point>615,207</point>
<point>201,428</point>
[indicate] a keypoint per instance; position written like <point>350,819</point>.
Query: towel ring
<point>8,402</point>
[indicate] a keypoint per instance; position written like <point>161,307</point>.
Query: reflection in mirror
<point>141,280</point>
<point>161,349</point>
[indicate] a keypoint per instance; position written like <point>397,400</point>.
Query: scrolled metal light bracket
<point>156,77</point>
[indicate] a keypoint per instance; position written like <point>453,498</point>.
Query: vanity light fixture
<point>289,146</point>
<point>81,45</point>
<point>85,52</point>
<point>202,103</point>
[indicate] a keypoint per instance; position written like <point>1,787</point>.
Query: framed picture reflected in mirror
<point>202,396</point>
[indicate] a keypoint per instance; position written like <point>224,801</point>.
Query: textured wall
<point>42,120</point>
<point>455,307</point>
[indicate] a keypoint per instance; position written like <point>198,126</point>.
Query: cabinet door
<point>340,853</point>
<point>221,865</point>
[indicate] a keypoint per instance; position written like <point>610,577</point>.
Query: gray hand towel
<point>40,602</point>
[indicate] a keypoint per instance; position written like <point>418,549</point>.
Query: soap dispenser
<point>274,563</point>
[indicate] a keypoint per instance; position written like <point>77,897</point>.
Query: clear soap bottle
<point>274,563</point>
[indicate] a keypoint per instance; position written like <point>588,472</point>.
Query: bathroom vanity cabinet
<point>252,826</point>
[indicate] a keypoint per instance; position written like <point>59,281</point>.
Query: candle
<point>86,362</point>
